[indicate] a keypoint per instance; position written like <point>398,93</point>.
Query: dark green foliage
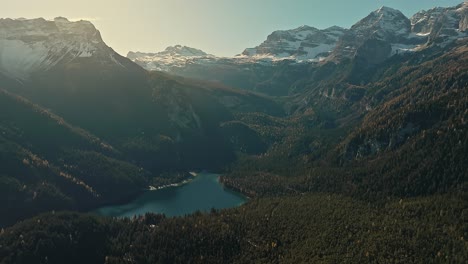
<point>245,139</point>
<point>297,229</point>
<point>109,177</point>
<point>57,238</point>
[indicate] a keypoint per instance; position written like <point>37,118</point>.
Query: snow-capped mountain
<point>385,23</point>
<point>386,32</point>
<point>303,43</point>
<point>174,51</point>
<point>28,46</point>
<point>174,56</point>
<point>445,23</point>
<point>297,45</point>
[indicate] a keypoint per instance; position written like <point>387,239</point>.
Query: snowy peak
<point>381,34</point>
<point>388,11</point>
<point>302,43</point>
<point>173,56</point>
<point>383,23</point>
<point>33,45</point>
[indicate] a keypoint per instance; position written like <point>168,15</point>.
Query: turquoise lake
<point>202,193</point>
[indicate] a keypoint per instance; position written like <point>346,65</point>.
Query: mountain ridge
<point>382,34</point>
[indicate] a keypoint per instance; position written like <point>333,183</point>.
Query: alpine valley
<point>351,144</point>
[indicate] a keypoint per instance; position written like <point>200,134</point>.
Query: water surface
<point>202,193</point>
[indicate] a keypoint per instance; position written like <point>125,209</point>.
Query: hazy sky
<point>220,27</point>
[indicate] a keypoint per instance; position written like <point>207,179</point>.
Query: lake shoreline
<point>177,184</point>
<point>201,192</point>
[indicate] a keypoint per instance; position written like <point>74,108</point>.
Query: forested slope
<point>299,229</point>
<point>409,140</point>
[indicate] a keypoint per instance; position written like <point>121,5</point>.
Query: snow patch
<point>403,48</point>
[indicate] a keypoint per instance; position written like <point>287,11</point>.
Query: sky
<point>219,27</point>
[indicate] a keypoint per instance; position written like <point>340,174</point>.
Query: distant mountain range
<point>176,56</point>
<point>29,46</point>
<point>382,34</point>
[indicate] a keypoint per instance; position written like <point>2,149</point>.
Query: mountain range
<point>350,143</point>
<point>376,38</point>
<point>399,34</point>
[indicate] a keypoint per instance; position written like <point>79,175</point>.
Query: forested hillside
<point>298,229</point>
<point>48,164</point>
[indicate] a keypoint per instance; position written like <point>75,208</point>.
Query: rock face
<point>303,43</point>
<point>33,45</point>
<point>442,25</point>
<point>381,34</point>
<point>386,32</point>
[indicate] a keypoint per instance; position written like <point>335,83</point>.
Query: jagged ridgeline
<point>351,143</point>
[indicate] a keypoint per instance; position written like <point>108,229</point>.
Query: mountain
<point>241,71</point>
<point>303,43</point>
<point>29,46</point>
<point>175,56</point>
<point>376,37</point>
